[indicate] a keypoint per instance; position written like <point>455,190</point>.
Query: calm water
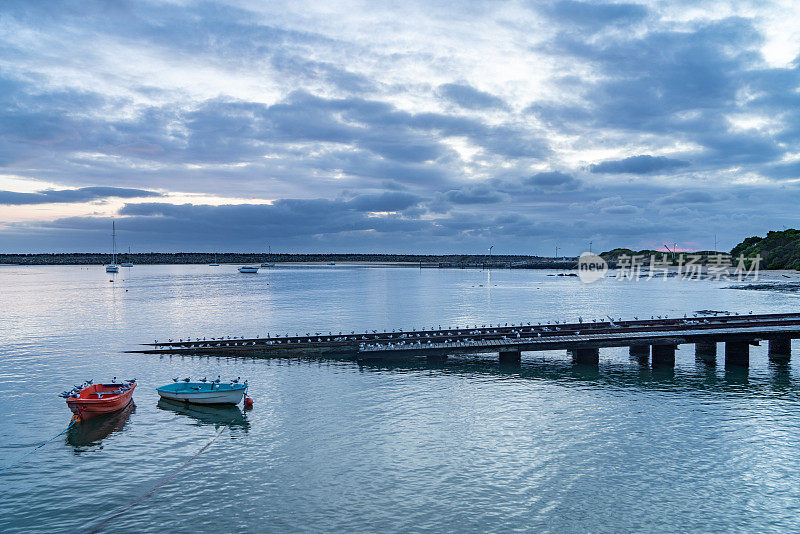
<point>335,446</point>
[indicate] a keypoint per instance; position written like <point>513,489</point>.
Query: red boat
<point>91,400</point>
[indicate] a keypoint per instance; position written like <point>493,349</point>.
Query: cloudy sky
<point>396,126</point>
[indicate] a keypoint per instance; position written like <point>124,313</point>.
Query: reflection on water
<point>89,434</point>
<point>463,445</point>
<point>208,414</point>
<point>703,378</point>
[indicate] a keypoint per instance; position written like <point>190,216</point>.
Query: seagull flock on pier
<point>424,336</point>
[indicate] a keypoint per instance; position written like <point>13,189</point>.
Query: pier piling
<point>585,356</point>
<point>737,353</point>
<point>640,353</point>
<point>706,351</point>
<point>510,355</point>
<point>663,355</point>
<point>780,348</point>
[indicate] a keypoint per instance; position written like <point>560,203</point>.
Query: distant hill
<point>779,250</point>
<point>612,256</point>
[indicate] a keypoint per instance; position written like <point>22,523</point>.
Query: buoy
<point>248,403</point>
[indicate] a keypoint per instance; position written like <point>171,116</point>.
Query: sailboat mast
<point>113,243</point>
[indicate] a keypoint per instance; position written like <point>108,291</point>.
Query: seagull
<point>187,379</point>
<point>204,379</point>
<point>236,380</point>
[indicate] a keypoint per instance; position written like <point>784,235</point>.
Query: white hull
<point>248,269</point>
<point>207,397</point>
<point>112,269</point>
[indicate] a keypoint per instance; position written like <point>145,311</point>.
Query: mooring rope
<point>98,527</point>
<point>36,448</point>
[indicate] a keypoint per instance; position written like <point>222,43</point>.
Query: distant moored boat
<point>113,267</point>
<point>249,269</point>
<point>128,264</point>
<point>269,263</point>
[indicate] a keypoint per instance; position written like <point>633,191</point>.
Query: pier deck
<point>582,339</point>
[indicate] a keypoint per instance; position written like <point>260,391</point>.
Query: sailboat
<point>215,264</point>
<point>113,267</point>
<point>129,264</point>
<point>269,263</point>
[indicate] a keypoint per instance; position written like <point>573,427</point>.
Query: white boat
<point>113,267</point>
<point>215,264</point>
<point>204,392</point>
<point>249,269</point>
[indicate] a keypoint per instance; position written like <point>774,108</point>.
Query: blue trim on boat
<point>199,387</point>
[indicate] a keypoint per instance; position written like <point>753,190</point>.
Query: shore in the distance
<point>184,258</point>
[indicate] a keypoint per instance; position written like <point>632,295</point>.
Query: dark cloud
<point>297,66</point>
<point>84,194</point>
<point>592,15</point>
<point>643,164</point>
<point>285,218</point>
<point>389,201</point>
<point>468,97</point>
<point>688,197</point>
<point>474,194</point>
<point>784,171</point>
<point>677,83</point>
<point>553,180</point>
<point>626,209</point>
<point>355,125</point>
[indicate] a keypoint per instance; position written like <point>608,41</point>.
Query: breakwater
<point>185,258</point>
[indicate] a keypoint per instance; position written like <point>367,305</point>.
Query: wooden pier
<point>652,341</point>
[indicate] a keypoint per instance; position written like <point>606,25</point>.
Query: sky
<point>397,127</point>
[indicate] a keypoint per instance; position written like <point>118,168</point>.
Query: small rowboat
<point>204,392</point>
<point>90,400</point>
